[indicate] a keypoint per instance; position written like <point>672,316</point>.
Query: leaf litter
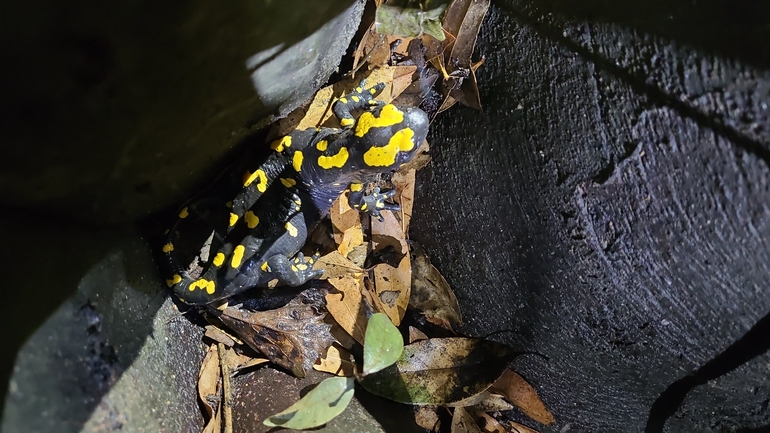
<point>432,67</point>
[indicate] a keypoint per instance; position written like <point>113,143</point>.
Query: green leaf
<point>409,22</point>
<point>317,407</point>
<point>441,371</point>
<point>383,343</point>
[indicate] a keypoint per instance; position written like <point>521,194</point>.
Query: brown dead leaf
<point>416,335</point>
<point>346,225</point>
<point>292,336</point>
<point>431,293</point>
<point>403,182</point>
<point>336,361</point>
<point>427,418</point>
<point>250,362</point>
<point>487,423</point>
<point>484,402</point>
<point>209,389</point>
<point>520,428</point>
<point>347,307</point>
<point>392,285</point>
<point>336,265</point>
<point>220,336</point>
<point>523,395</point>
<point>463,422</point>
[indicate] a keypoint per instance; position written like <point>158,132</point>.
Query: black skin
<point>287,202</point>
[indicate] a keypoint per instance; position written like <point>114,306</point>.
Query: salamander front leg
<point>372,203</point>
<point>292,272</point>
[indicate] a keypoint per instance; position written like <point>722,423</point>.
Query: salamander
<point>256,235</point>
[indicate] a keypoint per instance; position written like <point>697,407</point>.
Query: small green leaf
<point>383,343</point>
<point>317,407</point>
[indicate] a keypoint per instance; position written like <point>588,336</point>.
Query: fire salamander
<point>257,235</point>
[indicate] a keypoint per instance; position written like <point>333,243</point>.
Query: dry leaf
<point>463,422</point>
<point>347,307</point>
<point>219,336</point>
<point>441,371</point>
<point>487,424</point>
<point>416,335</point>
<point>431,293</point>
<point>292,336</point>
<point>523,395</point>
<point>336,361</point>
<point>520,428</point>
<point>484,402</point>
<point>251,362</point>
<point>427,418</point>
<point>336,265</point>
<point>392,285</point>
<point>403,182</point>
<point>209,389</point>
<point>346,225</point>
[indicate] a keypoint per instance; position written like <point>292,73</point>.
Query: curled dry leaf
<point>431,293</point>
<point>463,422</point>
<point>346,305</point>
<point>292,336</point>
<point>336,361</point>
<point>441,371</point>
<point>487,424</point>
<point>483,401</point>
<point>403,182</point>
<point>209,390</point>
<point>523,395</point>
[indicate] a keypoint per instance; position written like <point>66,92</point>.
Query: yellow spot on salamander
<point>389,116</point>
<point>386,155</point>
<point>301,266</point>
<point>218,259</point>
<point>237,256</point>
<point>347,121</point>
<point>355,187</point>
<point>343,100</point>
<point>184,213</point>
<point>168,247</point>
<point>363,206</point>
<point>338,160</point>
<point>251,219</point>
<point>233,219</point>
<point>288,182</point>
<point>173,280</point>
<point>294,268</point>
<point>358,90</point>
<point>281,144</point>
<point>264,267</point>
<point>260,176</point>
<point>296,162</point>
<point>292,230</point>
<point>203,284</point>
<point>321,145</point>
<point>355,98</point>
<point>372,90</point>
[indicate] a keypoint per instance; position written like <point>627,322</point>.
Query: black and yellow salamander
<point>257,235</point>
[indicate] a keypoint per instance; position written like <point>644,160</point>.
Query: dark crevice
<point>638,83</point>
<point>754,343</point>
